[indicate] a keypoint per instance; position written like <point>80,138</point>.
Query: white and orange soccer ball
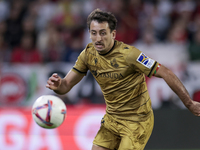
<point>49,111</point>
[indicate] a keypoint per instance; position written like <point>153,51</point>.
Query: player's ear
<point>89,33</point>
<point>113,34</point>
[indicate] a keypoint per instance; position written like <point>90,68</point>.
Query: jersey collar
<point>109,50</point>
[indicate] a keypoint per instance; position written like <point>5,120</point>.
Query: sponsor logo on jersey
<point>107,75</point>
<point>111,75</point>
<point>145,61</point>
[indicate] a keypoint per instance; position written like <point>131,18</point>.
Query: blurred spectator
<point>75,46</point>
<point>184,12</point>
<point>194,26</point>
<point>178,34</point>
<point>194,47</point>
<point>43,37</point>
<point>68,14</point>
<point>89,5</point>
<point>45,11</point>
<point>70,19</point>
<point>4,51</point>
<point>32,10</point>
<point>28,27</point>
<point>13,23</point>
<point>127,28</point>
<point>4,10</point>
<point>156,15</point>
<point>3,28</point>
<point>26,52</point>
<point>160,18</point>
<point>155,21</point>
<point>147,42</point>
<point>55,47</point>
<point>73,50</point>
<point>51,44</point>
<point>182,7</point>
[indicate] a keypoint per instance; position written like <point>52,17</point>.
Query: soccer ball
<point>49,111</point>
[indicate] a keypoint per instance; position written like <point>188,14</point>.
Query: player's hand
<point>54,82</point>
<point>195,108</point>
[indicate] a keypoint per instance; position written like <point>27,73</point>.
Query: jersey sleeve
<point>141,62</point>
<point>80,65</point>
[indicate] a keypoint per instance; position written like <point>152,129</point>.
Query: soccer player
<point>120,71</point>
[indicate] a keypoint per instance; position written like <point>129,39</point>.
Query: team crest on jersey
<point>113,63</point>
<point>146,61</point>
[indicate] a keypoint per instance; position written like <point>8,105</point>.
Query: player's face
<point>101,36</point>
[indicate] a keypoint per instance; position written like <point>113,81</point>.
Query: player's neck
<point>110,49</point>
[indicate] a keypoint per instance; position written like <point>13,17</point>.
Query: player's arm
<point>176,85</point>
<point>62,86</point>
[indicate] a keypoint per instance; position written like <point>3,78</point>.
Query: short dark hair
<point>102,16</point>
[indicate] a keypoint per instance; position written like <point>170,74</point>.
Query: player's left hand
<point>195,108</point>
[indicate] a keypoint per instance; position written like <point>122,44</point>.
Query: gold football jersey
<point>121,76</point>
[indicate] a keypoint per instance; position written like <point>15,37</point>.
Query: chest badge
<point>113,63</point>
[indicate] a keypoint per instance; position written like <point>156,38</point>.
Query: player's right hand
<point>54,82</point>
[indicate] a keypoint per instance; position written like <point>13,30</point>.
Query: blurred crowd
<point>41,31</point>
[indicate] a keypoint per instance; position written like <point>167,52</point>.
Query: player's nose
<point>99,38</point>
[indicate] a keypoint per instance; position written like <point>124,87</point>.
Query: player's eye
<point>93,33</point>
<point>103,33</point>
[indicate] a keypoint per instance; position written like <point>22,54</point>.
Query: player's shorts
<point>117,134</point>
